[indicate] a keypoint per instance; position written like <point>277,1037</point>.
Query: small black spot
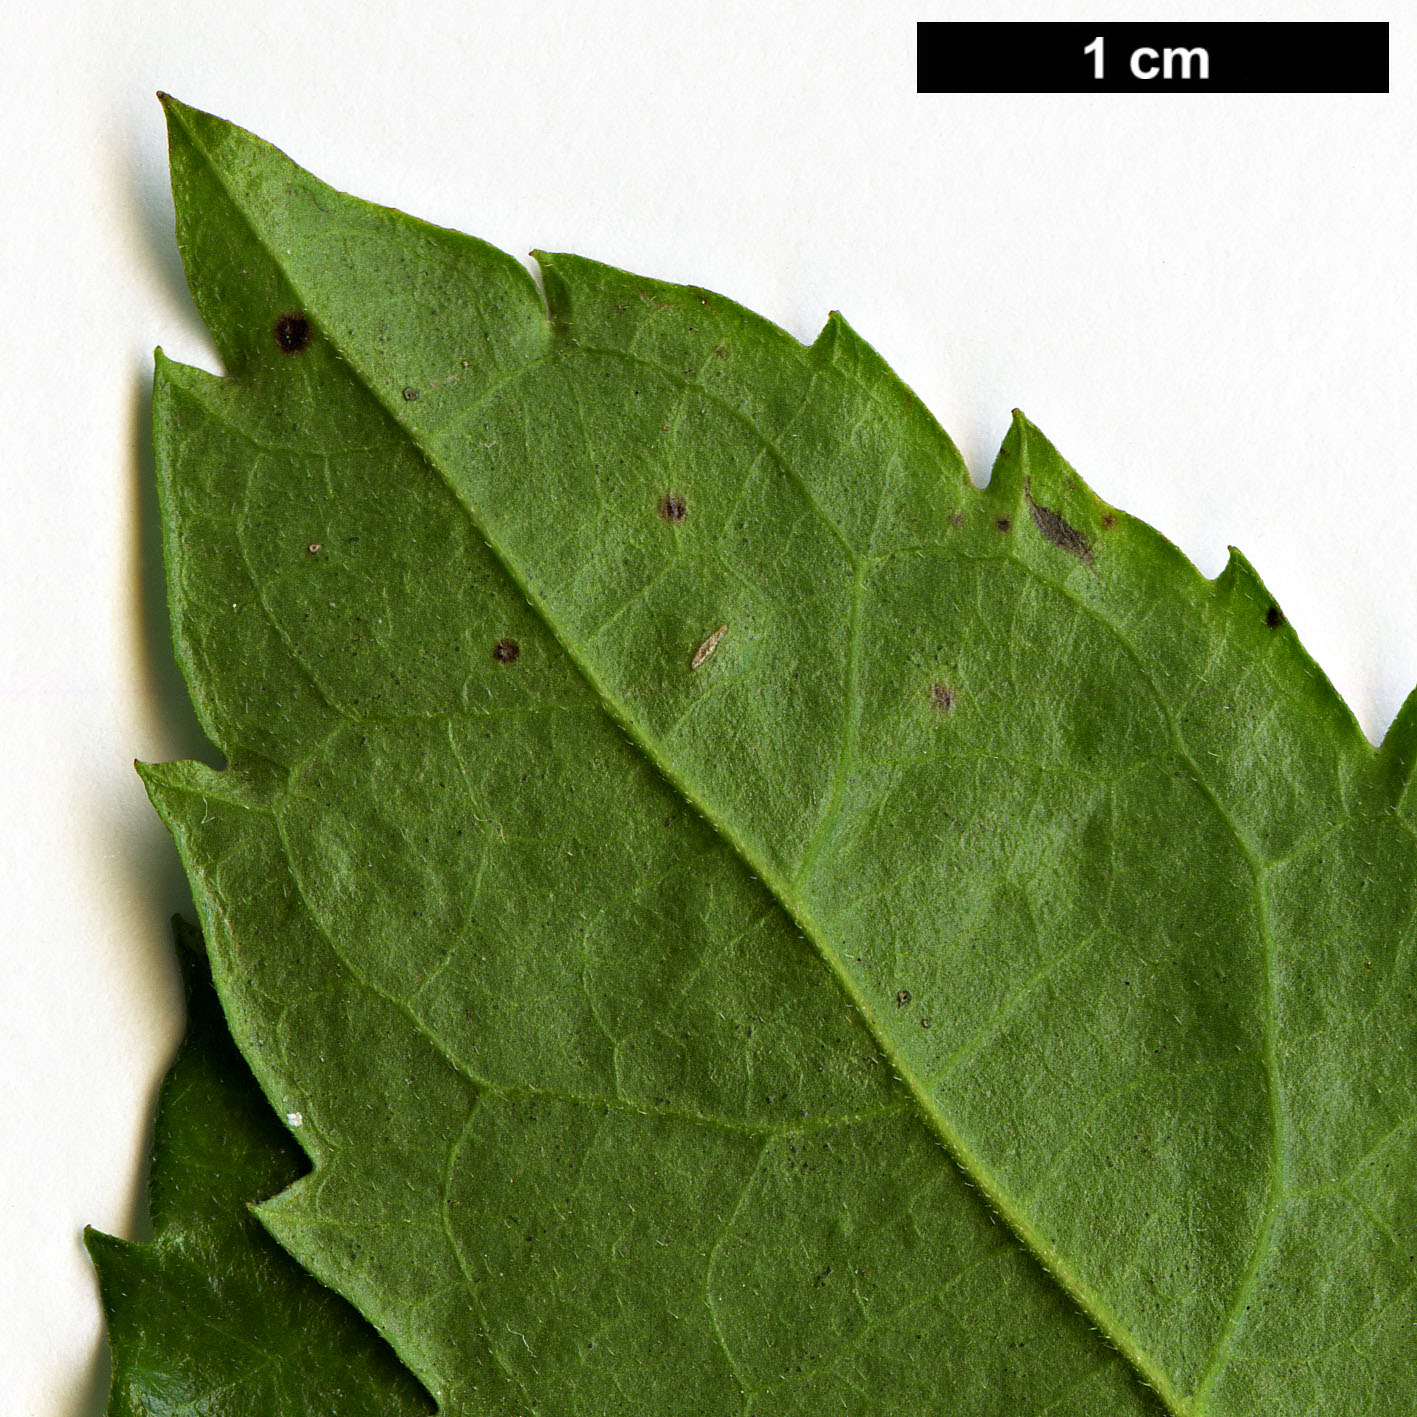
<point>1274,617</point>
<point>410,394</point>
<point>672,507</point>
<point>927,1023</point>
<point>1004,524</point>
<point>902,998</point>
<point>505,651</point>
<point>292,332</point>
<point>942,696</point>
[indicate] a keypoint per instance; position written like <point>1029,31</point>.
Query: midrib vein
<point>1107,1322</point>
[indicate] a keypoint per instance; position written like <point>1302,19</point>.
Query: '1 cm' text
<point>1148,63</point>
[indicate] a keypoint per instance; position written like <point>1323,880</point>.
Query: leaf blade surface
<point>923,827</point>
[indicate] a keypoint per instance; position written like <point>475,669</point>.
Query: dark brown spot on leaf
<point>957,520</point>
<point>505,651</point>
<point>927,1023</point>
<point>673,508</point>
<point>292,332</point>
<point>902,998</point>
<point>1057,532</point>
<point>942,696</point>
<point>1274,617</point>
<point>410,395</point>
<point>1004,524</point>
<point>315,547</point>
<point>1108,521</point>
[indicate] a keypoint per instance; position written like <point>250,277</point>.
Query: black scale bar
<point>1027,57</point>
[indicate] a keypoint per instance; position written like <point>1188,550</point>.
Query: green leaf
<point>212,1316</point>
<point>752,923</point>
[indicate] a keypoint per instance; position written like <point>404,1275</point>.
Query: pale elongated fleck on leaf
<point>984,986</point>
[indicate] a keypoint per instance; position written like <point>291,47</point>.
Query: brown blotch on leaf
<point>1057,532</point>
<point>902,998</point>
<point>1004,524</point>
<point>292,332</point>
<point>1108,521</point>
<point>410,394</point>
<point>957,520</point>
<point>505,651</point>
<point>705,651</point>
<point>942,697</point>
<point>673,508</point>
<point>1274,617</point>
<point>315,547</point>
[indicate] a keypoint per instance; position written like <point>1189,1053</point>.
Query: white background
<point>1206,301</point>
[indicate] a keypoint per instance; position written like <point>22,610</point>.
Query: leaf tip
<point>834,331</point>
<point>154,777</point>
<point>1238,569</point>
<point>555,290</point>
<point>1018,430</point>
<point>174,109</point>
<point>1006,476</point>
<point>102,1248</point>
